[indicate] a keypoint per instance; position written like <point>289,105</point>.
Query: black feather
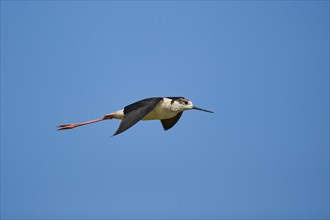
<point>169,123</point>
<point>141,103</point>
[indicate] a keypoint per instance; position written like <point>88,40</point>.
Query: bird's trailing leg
<point>70,126</point>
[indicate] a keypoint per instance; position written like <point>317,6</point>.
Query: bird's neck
<point>170,105</point>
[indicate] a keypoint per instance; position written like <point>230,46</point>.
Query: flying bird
<point>168,110</point>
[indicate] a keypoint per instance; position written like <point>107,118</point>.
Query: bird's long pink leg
<point>70,126</point>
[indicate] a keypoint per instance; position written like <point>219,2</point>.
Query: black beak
<point>194,107</point>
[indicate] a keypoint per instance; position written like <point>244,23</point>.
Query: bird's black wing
<point>169,123</point>
<point>141,103</point>
<point>135,112</point>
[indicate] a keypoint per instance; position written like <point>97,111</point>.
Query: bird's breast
<point>161,111</point>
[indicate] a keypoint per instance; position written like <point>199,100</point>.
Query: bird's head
<point>184,104</point>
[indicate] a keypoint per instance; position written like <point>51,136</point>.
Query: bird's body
<point>168,110</point>
<point>163,110</point>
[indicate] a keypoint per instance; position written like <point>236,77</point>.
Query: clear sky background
<point>262,66</point>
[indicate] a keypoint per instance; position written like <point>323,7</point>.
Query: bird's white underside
<point>164,110</point>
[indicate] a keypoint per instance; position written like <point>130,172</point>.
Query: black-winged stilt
<point>168,110</point>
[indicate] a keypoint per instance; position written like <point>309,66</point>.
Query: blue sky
<point>262,66</point>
